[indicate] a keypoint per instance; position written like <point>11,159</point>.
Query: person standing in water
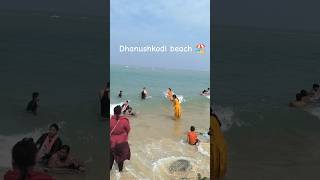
<point>120,94</point>
<point>104,101</point>
<point>24,155</point>
<point>119,132</point>
<point>33,104</point>
<point>144,93</point>
<point>48,144</point>
<point>176,107</point>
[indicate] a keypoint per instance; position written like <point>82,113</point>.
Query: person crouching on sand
<point>298,102</point>
<point>24,155</point>
<point>119,132</point>
<point>176,107</point>
<point>63,159</point>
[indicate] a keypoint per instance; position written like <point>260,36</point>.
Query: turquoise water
<point>63,59</point>
<point>155,138</point>
<point>257,73</point>
<point>131,80</point>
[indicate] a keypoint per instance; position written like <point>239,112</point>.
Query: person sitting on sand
<point>298,102</point>
<point>63,159</point>
<point>23,162</point>
<point>170,94</point>
<point>120,94</point>
<point>48,144</point>
<point>176,107</point>
<point>192,136</point>
<point>33,104</point>
<point>144,93</point>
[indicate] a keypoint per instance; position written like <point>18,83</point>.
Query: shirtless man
<point>298,102</point>
<point>62,159</point>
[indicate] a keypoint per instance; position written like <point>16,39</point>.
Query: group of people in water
<point>47,152</point>
<point>303,98</point>
<point>120,126</point>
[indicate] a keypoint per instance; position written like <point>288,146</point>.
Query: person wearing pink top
<point>119,132</point>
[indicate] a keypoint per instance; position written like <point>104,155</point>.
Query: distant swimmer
<point>206,92</point>
<point>120,94</point>
<point>314,93</point>
<point>33,104</point>
<point>298,102</point>
<point>192,136</point>
<point>170,94</point>
<point>144,93</point>
<point>176,107</point>
<point>63,159</point>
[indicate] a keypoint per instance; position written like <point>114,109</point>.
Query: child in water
<point>192,136</point>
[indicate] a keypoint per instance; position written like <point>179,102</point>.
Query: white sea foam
<point>226,116</point>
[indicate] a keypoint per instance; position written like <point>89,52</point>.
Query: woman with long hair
<point>176,107</point>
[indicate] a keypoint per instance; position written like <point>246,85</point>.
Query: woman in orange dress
<point>176,107</point>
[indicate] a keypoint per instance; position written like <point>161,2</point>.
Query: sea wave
<point>226,116</point>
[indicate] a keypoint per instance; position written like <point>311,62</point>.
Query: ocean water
<point>63,58</point>
<point>156,140</point>
<point>257,72</point>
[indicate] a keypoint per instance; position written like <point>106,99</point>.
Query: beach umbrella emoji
<point>200,48</point>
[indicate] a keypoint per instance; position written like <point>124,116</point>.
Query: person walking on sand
<point>176,107</point>
<point>119,132</point>
<point>24,155</point>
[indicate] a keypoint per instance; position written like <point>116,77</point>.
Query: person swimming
<point>144,93</point>
<point>176,107</point>
<point>33,104</point>
<point>298,102</point>
<point>304,96</point>
<point>314,93</point>
<point>63,159</point>
<point>120,94</point>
